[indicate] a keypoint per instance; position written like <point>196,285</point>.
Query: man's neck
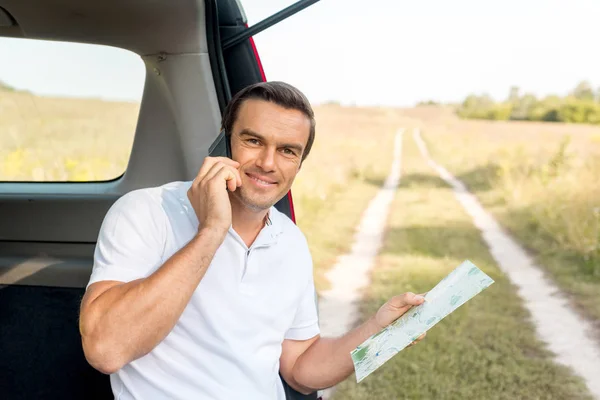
<point>246,222</point>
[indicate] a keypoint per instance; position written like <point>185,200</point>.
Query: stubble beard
<point>254,202</point>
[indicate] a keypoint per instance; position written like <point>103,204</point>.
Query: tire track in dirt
<point>567,334</point>
<point>338,306</point>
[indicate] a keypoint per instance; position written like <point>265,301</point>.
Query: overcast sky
<point>381,52</point>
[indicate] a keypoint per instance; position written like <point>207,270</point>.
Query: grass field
<point>541,181</point>
<point>487,348</point>
<point>50,139</point>
<point>351,157</point>
<point>547,195</point>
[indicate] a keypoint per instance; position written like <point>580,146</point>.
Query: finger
<point>406,300</point>
<point>210,162</point>
<point>233,179</point>
<point>225,174</point>
<point>221,173</point>
<point>235,165</point>
<point>227,161</point>
<point>212,172</point>
<point>238,177</point>
<point>207,165</point>
<point>417,340</point>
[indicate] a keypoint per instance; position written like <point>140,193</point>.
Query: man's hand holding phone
<point>208,193</point>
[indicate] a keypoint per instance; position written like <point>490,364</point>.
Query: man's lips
<point>261,179</point>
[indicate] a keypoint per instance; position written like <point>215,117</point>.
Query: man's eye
<point>289,152</point>
<point>253,141</point>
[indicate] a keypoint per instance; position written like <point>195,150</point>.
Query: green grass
<point>541,183</point>
<point>487,348</point>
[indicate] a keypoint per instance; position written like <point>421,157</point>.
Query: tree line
<point>5,87</point>
<point>581,105</point>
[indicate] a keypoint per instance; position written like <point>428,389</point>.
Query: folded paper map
<point>454,290</point>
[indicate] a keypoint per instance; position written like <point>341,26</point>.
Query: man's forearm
<point>129,320</point>
<point>327,361</point>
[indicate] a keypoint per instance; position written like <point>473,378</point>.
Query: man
<point>203,289</point>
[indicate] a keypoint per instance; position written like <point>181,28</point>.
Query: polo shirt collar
<point>274,223</point>
<point>270,232</point>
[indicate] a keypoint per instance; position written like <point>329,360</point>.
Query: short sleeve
<point>306,320</point>
<point>131,239</point>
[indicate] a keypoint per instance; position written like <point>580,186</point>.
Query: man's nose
<point>266,160</point>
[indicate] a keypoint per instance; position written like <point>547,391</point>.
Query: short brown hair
<point>280,93</point>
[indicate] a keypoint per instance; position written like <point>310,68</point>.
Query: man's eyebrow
<point>249,132</point>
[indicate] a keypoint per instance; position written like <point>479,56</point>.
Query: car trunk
<point>48,230</point>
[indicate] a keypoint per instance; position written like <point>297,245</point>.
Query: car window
<point>68,111</point>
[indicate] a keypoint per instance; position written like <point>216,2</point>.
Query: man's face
<point>268,141</point>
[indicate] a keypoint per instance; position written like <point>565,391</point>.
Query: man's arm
<point>121,322</point>
<point>319,363</point>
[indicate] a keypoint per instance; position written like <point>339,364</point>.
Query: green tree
<point>583,91</point>
<point>522,109</point>
<point>476,107</point>
<point>582,105</point>
<point>579,111</point>
<point>546,109</point>
<point>500,112</point>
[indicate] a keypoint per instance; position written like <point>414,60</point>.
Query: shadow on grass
<point>451,241</point>
<point>479,179</point>
<point>411,180</point>
<point>422,181</point>
<point>482,178</point>
<point>375,181</point>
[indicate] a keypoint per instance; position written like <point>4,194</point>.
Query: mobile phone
<point>220,147</point>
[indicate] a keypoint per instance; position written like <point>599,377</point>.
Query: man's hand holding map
<point>462,284</point>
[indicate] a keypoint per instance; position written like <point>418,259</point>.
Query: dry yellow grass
<point>53,139</point>
<point>351,158</point>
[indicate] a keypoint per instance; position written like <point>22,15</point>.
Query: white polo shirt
<point>227,343</point>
